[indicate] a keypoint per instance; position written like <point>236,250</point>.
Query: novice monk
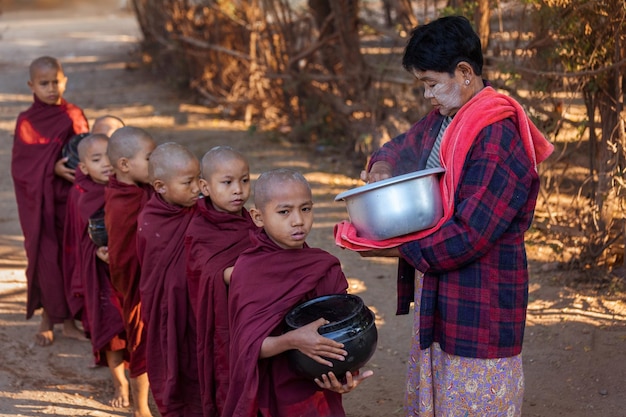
<point>125,196</point>
<point>74,291</point>
<point>102,303</point>
<point>279,272</point>
<point>217,234</point>
<point>107,124</point>
<point>41,183</point>
<point>165,308</point>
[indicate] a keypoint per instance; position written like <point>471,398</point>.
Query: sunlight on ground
<point>331,179</point>
<point>12,276</point>
<point>357,286</point>
<point>22,98</point>
<point>103,37</point>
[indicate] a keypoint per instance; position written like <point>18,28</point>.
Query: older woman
<point>471,286</point>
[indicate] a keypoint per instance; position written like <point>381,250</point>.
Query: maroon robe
<point>74,291</point>
<point>102,303</point>
<point>122,204</point>
<point>166,311</point>
<point>40,133</point>
<point>266,283</point>
<point>213,242</point>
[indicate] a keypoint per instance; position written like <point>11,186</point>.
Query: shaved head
<point>85,144</point>
<point>218,155</point>
<point>125,142</point>
<point>107,124</point>
<point>270,182</point>
<point>43,62</point>
<point>167,159</point>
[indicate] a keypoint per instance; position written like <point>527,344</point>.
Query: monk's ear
<point>204,187</point>
<point>159,186</point>
<point>83,168</point>
<point>257,216</point>
<point>123,165</point>
<point>31,86</point>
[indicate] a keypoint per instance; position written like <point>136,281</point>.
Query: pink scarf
<point>485,108</point>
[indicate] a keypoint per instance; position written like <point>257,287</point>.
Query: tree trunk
<point>481,20</point>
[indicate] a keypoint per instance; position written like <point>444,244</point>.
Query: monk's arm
<point>308,341</point>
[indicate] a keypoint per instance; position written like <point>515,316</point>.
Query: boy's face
<point>48,84</point>
<point>138,165</point>
<point>96,162</point>
<point>288,217</point>
<point>181,187</point>
<point>228,185</point>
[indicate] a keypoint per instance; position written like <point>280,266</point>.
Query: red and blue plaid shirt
<point>475,290</point>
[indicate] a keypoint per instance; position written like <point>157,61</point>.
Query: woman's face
<point>446,93</point>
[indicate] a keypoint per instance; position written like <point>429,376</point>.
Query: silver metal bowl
<point>395,206</point>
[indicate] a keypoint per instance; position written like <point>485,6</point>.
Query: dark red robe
<point>122,205</point>
<point>74,291</point>
<point>102,303</point>
<point>40,133</point>
<point>267,282</point>
<point>166,311</point>
<point>213,242</point>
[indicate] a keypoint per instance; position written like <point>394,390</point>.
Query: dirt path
<point>575,349</point>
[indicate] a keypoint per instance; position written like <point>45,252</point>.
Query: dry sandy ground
<point>575,347</point>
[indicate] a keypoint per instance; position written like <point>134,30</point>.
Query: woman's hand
<point>380,170</point>
<point>63,171</point>
<point>330,382</point>
<point>386,253</point>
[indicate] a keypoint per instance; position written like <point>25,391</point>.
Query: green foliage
<point>585,39</point>
<point>467,9</point>
<point>584,32</point>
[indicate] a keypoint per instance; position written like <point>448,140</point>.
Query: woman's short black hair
<point>441,44</point>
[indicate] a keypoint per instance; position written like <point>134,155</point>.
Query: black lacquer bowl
<point>70,150</point>
<point>97,231</point>
<point>351,322</point>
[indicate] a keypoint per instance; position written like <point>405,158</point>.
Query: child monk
<point>125,196</point>
<point>74,291</point>
<point>107,124</point>
<point>41,182</point>
<point>103,323</point>
<point>279,272</point>
<point>165,307</point>
<point>217,234</point>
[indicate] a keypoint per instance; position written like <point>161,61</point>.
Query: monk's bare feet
<point>140,387</point>
<point>45,335</point>
<point>71,331</point>
<point>115,361</point>
<point>142,413</point>
<point>120,397</point>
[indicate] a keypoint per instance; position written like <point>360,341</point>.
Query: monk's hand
<point>386,253</point>
<point>379,171</point>
<point>103,254</point>
<point>228,272</point>
<point>317,347</point>
<point>63,171</point>
<point>351,381</point>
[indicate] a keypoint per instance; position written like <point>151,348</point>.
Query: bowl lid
<point>389,181</point>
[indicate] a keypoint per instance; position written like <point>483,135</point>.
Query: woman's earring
<point>467,82</point>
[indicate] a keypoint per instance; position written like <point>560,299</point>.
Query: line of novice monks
<point>190,290</point>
